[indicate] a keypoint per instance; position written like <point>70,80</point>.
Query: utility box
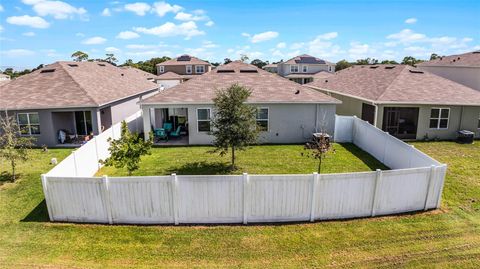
<point>465,137</point>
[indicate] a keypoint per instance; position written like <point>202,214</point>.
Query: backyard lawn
<point>449,237</point>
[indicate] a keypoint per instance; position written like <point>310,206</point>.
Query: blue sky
<point>43,31</point>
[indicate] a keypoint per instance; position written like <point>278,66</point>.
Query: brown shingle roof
<point>306,59</point>
<point>173,76</point>
<point>73,84</point>
<point>140,72</point>
<point>266,87</point>
<point>187,60</point>
<point>471,59</point>
<point>397,84</point>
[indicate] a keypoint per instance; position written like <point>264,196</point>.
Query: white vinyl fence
<point>415,184</point>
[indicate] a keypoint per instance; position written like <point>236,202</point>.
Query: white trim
<point>161,69</point>
<point>187,69</point>
<point>196,70</point>
<point>439,118</point>
<point>267,120</point>
<point>29,125</point>
<point>209,120</point>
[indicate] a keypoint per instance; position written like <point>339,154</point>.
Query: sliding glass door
<point>83,122</point>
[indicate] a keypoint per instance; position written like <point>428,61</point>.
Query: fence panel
<point>77,199</point>
<point>345,195</point>
<point>65,168</point>
<point>141,199</point>
<point>402,191</point>
<point>207,199</point>
<point>343,129</point>
<point>86,160</point>
<point>279,198</point>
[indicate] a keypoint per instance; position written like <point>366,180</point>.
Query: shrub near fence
<point>415,184</point>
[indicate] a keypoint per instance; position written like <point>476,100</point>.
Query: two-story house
<point>180,69</point>
<point>304,68</point>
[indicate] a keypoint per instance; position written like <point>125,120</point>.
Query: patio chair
<point>176,133</point>
<point>160,134</point>
<point>167,126</point>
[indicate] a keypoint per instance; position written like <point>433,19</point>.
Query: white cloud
<point>80,34</point>
<point>56,9</point>
<point>94,40</point>
<point>411,20</point>
<point>51,53</point>
<point>13,53</point>
<point>281,45</point>
<point>149,53</point>
<point>209,44</point>
<point>162,8</point>
<point>106,12</point>
<point>322,46</point>
<point>198,15</point>
<point>358,50</point>
<point>407,36</point>
<point>1,28</point>
<point>127,35</point>
<point>25,20</point>
<point>297,45</point>
<point>112,50</point>
<point>29,34</point>
<point>187,29</point>
<point>145,47</point>
<point>1,8</point>
<point>138,8</point>
<point>261,37</point>
<point>209,23</point>
<point>327,36</point>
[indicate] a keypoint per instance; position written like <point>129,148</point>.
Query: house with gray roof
<point>303,68</point>
<point>405,101</point>
<point>180,69</point>
<point>287,112</point>
<point>462,68</point>
<point>74,99</point>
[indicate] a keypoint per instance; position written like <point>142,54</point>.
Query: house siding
<point>284,69</point>
<point>182,69</point>
<point>468,76</point>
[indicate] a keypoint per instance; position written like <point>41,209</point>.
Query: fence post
<point>45,192</point>
<point>429,184</point>
<point>441,182</point>
<point>96,152</point>
<point>106,193</point>
<point>246,180</point>
<point>313,196</point>
<point>353,129</point>
<point>75,162</point>
<point>378,178</point>
<point>174,181</point>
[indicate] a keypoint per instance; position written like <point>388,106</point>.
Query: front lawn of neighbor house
<point>267,159</point>
<point>445,238</point>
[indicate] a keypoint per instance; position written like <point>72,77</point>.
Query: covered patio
<point>169,125</point>
<point>72,128</point>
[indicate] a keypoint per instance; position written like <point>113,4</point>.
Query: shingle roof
<point>266,87</point>
<point>306,59</point>
<point>184,60</point>
<point>140,72</point>
<point>397,84</point>
<point>173,76</point>
<point>73,84</point>
<point>270,66</point>
<point>471,59</point>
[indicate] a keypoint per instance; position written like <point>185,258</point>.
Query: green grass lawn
<point>449,237</point>
<point>268,159</point>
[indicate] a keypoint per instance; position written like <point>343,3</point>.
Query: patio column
<point>146,122</point>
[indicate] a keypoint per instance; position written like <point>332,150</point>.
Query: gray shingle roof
<point>471,59</point>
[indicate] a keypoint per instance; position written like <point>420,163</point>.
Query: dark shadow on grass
<point>38,214</point>
<point>202,168</point>
<point>366,158</point>
<point>7,177</point>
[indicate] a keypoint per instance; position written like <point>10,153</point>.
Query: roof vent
<point>225,71</point>
<point>47,71</point>
<point>326,80</point>
<point>389,67</point>
<point>248,71</point>
<point>101,64</point>
<point>373,67</point>
<point>73,65</point>
<point>297,92</point>
<point>122,75</point>
<point>476,52</point>
<point>416,71</point>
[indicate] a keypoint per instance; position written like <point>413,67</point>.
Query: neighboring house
<point>303,68</point>
<point>272,68</point>
<point>4,77</point>
<point>79,98</point>
<point>462,68</point>
<point>180,69</point>
<point>287,112</point>
<point>148,76</point>
<point>406,102</point>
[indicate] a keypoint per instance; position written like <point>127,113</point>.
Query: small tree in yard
<point>127,151</point>
<point>13,147</point>
<point>234,124</point>
<point>318,148</point>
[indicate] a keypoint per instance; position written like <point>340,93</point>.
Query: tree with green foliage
<point>389,62</point>
<point>227,61</point>
<point>434,56</point>
<point>244,58</point>
<point>410,60</point>
<point>366,61</point>
<point>343,64</point>
<point>13,146</point>
<point>234,124</point>
<point>127,150</point>
<point>259,63</point>
<point>79,56</point>
<point>110,58</point>
<point>149,66</point>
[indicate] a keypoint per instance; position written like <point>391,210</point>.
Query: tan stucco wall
<point>468,76</point>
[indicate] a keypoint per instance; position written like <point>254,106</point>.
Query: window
<point>293,68</point>
<point>304,69</point>
<point>203,119</point>
<point>29,123</point>
<point>161,69</point>
<point>439,118</point>
<point>262,119</point>
<point>199,69</point>
<point>83,122</point>
<point>329,68</point>
<point>188,69</point>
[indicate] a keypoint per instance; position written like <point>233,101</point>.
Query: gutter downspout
<point>461,118</point>
<point>316,118</point>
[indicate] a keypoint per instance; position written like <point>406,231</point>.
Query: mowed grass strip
<point>446,238</point>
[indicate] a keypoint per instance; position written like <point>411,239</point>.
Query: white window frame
<point>304,68</point>
<point>209,120</point>
<point>296,67</point>
<point>196,69</point>
<point>161,69</point>
<point>29,124</point>
<point>267,120</point>
<point>439,118</point>
<point>188,69</point>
